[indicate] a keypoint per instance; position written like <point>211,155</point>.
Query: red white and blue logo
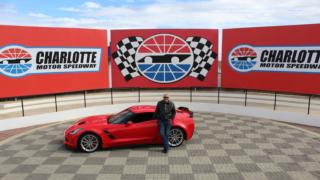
<point>243,58</point>
<point>15,61</point>
<point>164,58</point>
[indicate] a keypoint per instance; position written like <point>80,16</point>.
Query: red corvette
<point>135,125</point>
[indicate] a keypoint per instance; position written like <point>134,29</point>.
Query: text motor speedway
<point>245,58</point>
<point>16,61</point>
<point>292,58</point>
<point>277,58</point>
<point>43,60</point>
<point>69,60</point>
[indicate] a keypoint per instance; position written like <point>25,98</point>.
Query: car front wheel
<point>176,137</point>
<point>89,142</point>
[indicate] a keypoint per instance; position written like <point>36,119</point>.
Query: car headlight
<point>75,131</point>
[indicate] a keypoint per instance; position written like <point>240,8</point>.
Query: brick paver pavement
<point>224,146</point>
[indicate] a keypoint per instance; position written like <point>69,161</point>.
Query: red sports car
<point>135,125</point>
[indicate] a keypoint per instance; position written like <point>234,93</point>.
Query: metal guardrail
<point>112,96</point>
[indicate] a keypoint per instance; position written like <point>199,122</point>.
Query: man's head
<point>166,97</point>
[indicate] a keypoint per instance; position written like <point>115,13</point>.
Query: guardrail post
<point>218,95</point>
<point>55,102</point>
<point>111,94</point>
<point>22,107</point>
<point>309,104</point>
<point>245,98</point>
<point>190,94</point>
<point>139,100</point>
<point>275,101</point>
<point>84,99</point>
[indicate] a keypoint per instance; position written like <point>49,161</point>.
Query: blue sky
<point>111,14</point>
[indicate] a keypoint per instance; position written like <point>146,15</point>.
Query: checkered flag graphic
<point>125,55</point>
<point>203,56</point>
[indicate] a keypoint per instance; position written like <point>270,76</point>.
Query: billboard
<point>280,58</point>
<point>41,60</point>
<point>161,58</point>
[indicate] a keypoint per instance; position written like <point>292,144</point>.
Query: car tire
<point>89,142</point>
<point>176,137</point>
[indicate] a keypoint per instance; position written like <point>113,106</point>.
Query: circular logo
<point>243,58</point>
<point>15,61</point>
<point>164,58</point>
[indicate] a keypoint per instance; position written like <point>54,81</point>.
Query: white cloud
<point>179,14</point>
<point>207,13</point>
<point>38,15</point>
<point>69,9</point>
<point>91,5</point>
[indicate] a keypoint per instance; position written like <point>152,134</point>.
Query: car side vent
<point>83,122</point>
<point>108,134</point>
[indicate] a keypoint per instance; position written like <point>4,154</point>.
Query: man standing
<point>165,113</point>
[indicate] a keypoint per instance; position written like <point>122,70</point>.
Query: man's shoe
<point>165,151</point>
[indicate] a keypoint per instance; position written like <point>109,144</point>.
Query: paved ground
<point>223,147</point>
<point>13,132</point>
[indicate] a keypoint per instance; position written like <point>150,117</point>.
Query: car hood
<point>93,120</point>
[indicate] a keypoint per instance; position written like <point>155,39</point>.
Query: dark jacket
<point>165,111</point>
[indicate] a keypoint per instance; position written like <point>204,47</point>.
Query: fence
<point>307,104</point>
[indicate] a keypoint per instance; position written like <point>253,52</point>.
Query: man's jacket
<point>165,111</point>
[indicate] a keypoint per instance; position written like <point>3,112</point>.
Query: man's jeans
<point>165,127</point>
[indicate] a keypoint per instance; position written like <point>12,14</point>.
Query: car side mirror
<point>129,123</point>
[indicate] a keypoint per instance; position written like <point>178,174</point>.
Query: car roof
<point>142,108</point>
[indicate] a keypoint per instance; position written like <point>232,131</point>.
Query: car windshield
<point>120,118</point>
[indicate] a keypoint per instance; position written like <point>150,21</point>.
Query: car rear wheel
<point>176,137</point>
<point>89,142</point>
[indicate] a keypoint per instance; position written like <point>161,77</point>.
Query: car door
<point>141,128</point>
<point>145,129</point>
